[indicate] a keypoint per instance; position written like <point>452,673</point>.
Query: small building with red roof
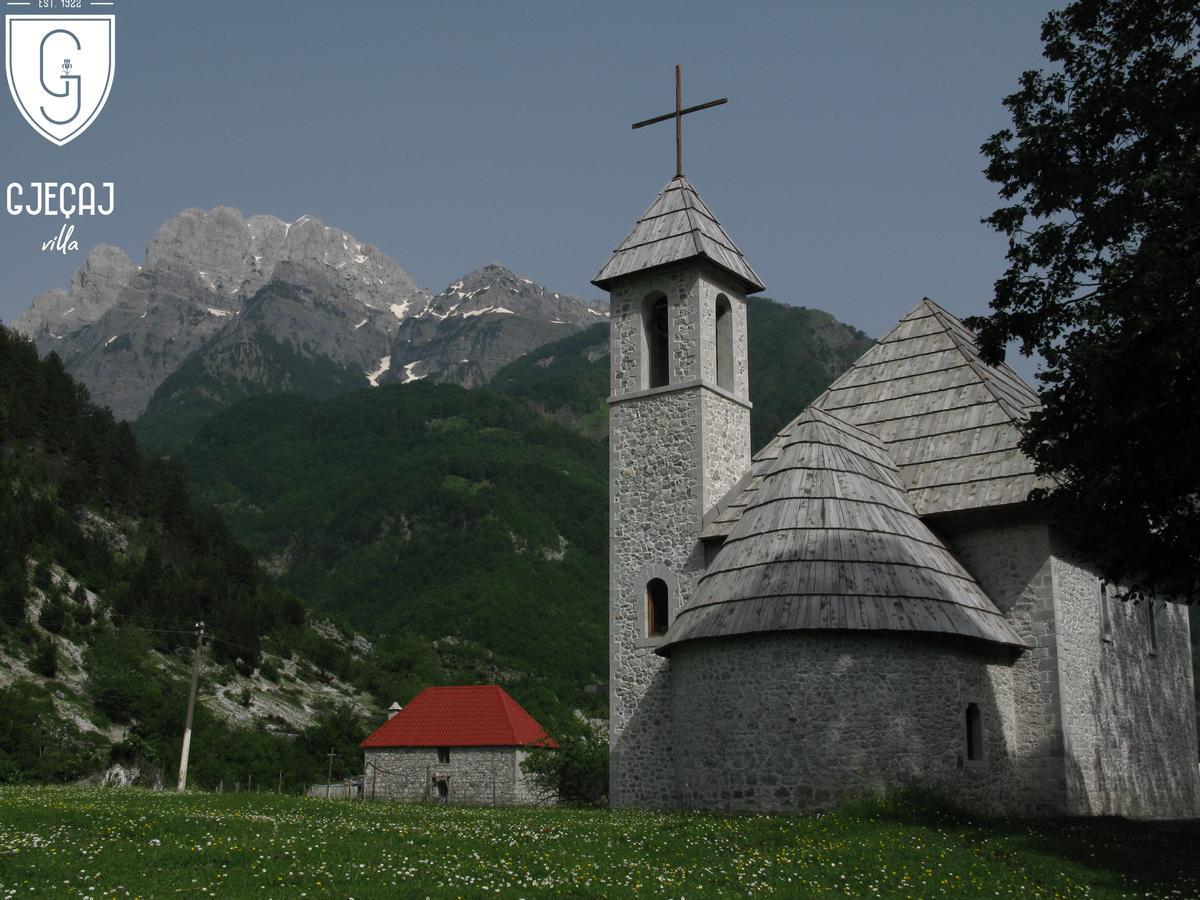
<point>461,744</point>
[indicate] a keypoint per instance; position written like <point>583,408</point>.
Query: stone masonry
<point>474,775</point>
<point>800,721</point>
<point>1127,711</point>
<point>675,451</point>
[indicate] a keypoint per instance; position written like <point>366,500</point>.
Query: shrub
<point>45,658</point>
<point>53,616</point>
<point>577,771</point>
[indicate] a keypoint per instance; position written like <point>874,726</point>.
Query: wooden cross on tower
<point>678,117</point>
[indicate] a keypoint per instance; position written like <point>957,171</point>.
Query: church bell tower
<point>679,432</point>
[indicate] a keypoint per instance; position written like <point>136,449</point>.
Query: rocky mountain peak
<point>237,295</point>
<point>495,289</point>
<point>93,291</point>
<point>213,241</point>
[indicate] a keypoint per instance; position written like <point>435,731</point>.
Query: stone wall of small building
<point>474,775</point>
<point>1128,710</point>
<point>801,721</point>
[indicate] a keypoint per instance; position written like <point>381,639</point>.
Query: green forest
<point>425,507</point>
<point>104,555</point>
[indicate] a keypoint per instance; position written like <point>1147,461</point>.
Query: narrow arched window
<point>1151,628</point>
<point>656,607</point>
<point>656,341</point>
<point>974,723</point>
<point>724,343</point>
<point>1106,631</point>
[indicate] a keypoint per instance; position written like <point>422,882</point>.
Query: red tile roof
<point>468,716</point>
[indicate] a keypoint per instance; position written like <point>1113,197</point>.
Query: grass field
<point>64,841</point>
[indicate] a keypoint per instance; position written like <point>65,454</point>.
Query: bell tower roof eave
<point>678,227</point>
<point>748,287</point>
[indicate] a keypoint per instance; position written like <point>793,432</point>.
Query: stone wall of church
<point>1128,709</point>
<point>1012,563</point>
<point>1103,727</point>
<point>674,451</point>
<point>726,429</point>
<point>626,342</point>
<point>711,285</point>
<point>474,775</point>
<point>801,721</point>
<point>653,526</point>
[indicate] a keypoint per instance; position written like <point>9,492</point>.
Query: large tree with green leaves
<point>1100,174</point>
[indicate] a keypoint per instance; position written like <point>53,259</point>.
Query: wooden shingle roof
<point>949,421</point>
<point>829,539</point>
<point>678,226</point>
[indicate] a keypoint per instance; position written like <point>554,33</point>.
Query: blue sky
<point>450,134</point>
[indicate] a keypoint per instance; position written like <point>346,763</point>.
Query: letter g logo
<point>63,35</point>
<point>60,70</point>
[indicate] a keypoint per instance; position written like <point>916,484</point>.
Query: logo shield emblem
<point>60,70</point>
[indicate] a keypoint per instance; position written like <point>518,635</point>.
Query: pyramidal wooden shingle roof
<point>482,715</point>
<point>828,539</point>
<point>678,226</point>
<point>950,422</point>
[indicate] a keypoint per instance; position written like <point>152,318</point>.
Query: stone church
<point>868,603</point>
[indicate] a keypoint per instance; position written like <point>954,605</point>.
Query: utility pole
<point>329,777</point>
<point>191,709</point>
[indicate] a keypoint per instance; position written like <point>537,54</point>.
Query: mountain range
<point>224,307</point>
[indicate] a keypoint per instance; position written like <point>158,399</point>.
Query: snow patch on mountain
<point>385,363</point>
<point>488,309</point>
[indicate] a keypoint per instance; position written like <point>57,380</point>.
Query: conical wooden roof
<point>829,540</point>
<point>678,226</point>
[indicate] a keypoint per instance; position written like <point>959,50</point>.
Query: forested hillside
<point>106,563</point>
<point>427,507</point>
<point>467,514</point>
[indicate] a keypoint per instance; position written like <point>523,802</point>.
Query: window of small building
<point>974,726</point>
<point>724,343</point>
<point>1151,628</point>
<point>1106,628</point>
<point>656,607</point>
<point>656,341</point>
<point>443,754</point>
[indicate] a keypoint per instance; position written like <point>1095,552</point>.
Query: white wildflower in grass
<point>87,842</point>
